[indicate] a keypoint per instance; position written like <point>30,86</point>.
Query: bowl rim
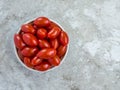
<point>16,54</point>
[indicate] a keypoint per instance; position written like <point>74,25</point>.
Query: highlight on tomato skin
<point>36,61</point>
<point>43,66</point>
<point>41,44</point>
<point>18,41</point>
<point>29,51</point>
<point>52,25</point>
<point>46,53</point>
<point>20,55</point>
<point>54,32</point>
<point>55,61</point>
<point>28,28</point>
<point>54,43</point>
<point>42,22</point>
<point>41,33</point>
<point>30,39</point>
<point>64,38</point>
<point>61,50</point>
<point>27,62</point>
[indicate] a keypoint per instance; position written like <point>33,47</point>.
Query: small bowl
<point>18,58</point>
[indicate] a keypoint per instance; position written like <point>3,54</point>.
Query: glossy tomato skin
<point>36,61</point>
<point>43,44</point>
<point>28,28</point>
<point>43,66</point>
<point>54,43</point>
<point>42,33</point>
<point>42,22</point>
<point>21,33</point>
<point>35,27</point>
<point>54,32</point>
<point>29,51</point>
<point>27,62</point>
<point>61,50</point>
<point>20,55</point>
<point>30,39</point>
<point>46,53</point>
<point>64,38</point>
<point>55,61</point>
<point>18,41</point>
<point>51,26</point>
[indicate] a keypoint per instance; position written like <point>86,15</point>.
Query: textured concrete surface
<point>93,60</point>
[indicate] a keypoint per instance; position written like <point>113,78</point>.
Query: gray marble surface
<point>93,59</point>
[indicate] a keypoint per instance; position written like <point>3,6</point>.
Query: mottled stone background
<point>93,59</point>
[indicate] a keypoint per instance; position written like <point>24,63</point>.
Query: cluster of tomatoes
<point>41,44</point>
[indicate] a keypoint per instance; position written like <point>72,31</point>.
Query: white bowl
<point>15,50</point>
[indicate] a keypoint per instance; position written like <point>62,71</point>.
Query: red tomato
<point>43,66</point>
<point>54,32</point>
<point>64,38</point>
<point>54,43</point>
<point>44,44</point>
<point>46,53</point>
<point>18,41</point>
<point>20,55</point>
<point>55,61</point>
<point>51,26</point>
<point>30,39</point>
<point>42,22</point>
<point>21,33</point>
<point>27,62</point>
<point>61,50</point>
<point>35,27</point>
<point>29,51</point>
<point>36,61</point>
<point>41,33</point>
<point>28,28</point>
